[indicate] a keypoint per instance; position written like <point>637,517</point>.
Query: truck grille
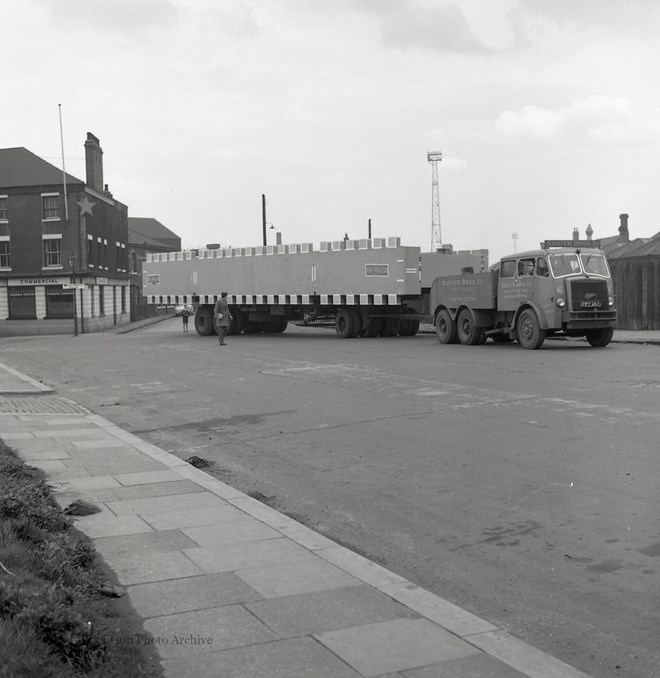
<point>589,296</point>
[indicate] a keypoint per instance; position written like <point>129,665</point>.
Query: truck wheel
<point>408,328</point>
<point>468,334</point>
<point>204,321</point>
<point>600,338</point>
<point>530,334</point>
<point>345,324</point>
<point>445,328</point>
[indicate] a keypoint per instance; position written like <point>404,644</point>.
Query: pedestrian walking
<point>222,316</point>
<point>185,314</point>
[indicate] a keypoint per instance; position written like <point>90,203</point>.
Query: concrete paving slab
<point>98,444</point>
<point>157,489</point>
<point>297,658</point>
<point>192,593</point>
<point>66,420</point>
<point>216,629</point>
<point>110,467</point>
<point>91,483</point>
<point>135,545</point>
<point>476,666</point>
<point>321,611</point>
<point>398,645</point>
<point>61,433</point>
<point>231,557</point>
<point>192,517</point>
<point>42,455</point>
<point>107,524</point>
<point>147,477</point>
<point>152,567</point>
<point>236,532</point>
<point>49,466</point>
<point>97,495</point>
<point>155,506</point>
<point>300,576</point>
<point>8,436</point>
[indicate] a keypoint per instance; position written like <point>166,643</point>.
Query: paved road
<point>521,485</point>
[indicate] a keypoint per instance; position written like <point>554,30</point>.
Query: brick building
<point>54,232</point>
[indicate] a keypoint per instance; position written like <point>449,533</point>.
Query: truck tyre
<point>345,324</point>
<point>600,338</point>
<point>204,321</point>
<point>445,328</point>
<point>357,321</point>
<point>468,333</point>
<point>529,332</point>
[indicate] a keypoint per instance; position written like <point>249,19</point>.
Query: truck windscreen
<point>562,265</point>
<point>595,264</point>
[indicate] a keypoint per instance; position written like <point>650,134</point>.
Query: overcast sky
<point>547,113</point>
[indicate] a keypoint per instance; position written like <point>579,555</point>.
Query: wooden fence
<point>637,289</point>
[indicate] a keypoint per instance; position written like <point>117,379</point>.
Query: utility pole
<point>434,157</point>
<point>369,229</point>
<point>514,237</point>
<point>263,216</point>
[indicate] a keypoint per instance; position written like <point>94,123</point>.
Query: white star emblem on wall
<point>86,206</point>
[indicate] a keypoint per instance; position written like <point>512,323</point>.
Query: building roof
<point>21,168</point>
<point>640,247</point>
<point>150,232</point>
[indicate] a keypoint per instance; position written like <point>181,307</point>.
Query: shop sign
<point>23,282</point>
<point>102,281</point>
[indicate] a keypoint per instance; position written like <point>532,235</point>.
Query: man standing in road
<point>222,317</point>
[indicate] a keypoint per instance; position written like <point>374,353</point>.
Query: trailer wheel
<point>530,334</point>
<point>445,328</point>
<point>408,328</point>
<point>357,322</point>
<point>345,324</point>
<point>372,329</point>
<point>600,338</point>
<point>281,325</point>
<point>204,321</point>
<point>468,333</point>
<point>389,327</point>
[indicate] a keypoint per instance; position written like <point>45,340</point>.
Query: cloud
<point>597,120</point>
<point>407,24</point>
<point>120,16</point>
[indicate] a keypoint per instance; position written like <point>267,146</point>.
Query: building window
<point>134,268</point>
<point>53,251</point>
<point>4,254</point>
<point>51,205</point>
<point>123,299</point>
<point>22,303</point>
<point>59,302</point>
<point>90,251</point>
<point>3,208</point>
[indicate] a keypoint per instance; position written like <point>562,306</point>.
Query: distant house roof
<point>640,247</point>
<point>150,232</point>
<point>21,168</point>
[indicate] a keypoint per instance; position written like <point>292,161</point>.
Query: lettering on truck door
<point>515,283</point>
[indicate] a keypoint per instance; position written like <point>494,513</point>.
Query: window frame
<point>50,212</point>
<point>5,244</point>
<point>4,209</point>
<point>47,239</point>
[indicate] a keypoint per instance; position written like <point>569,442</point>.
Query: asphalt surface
<point>520,485</point>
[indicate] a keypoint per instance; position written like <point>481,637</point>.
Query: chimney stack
<point>94,163</point>
<point>576,235</point>
<point>590,232</point>
<point>624,236</point>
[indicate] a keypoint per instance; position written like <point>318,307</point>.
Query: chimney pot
<point>624,235</point>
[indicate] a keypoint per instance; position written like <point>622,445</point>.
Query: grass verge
<point>53,621</point>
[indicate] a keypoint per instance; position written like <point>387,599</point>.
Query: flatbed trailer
<point>369,287</point>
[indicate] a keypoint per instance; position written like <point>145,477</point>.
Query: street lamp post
<point>72,265</point>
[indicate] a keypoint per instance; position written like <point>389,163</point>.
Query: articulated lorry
<point>564,288</point>
<point>369,288</point>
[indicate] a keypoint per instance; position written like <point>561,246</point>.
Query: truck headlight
<point>610,301</point>
<point>561,302</point>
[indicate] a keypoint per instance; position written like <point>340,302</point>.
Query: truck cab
<point>563,288</point>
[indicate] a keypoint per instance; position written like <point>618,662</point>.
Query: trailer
<point>368,288</point>
<point>564,288</point>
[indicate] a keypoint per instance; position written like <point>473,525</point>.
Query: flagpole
<point>66,202</point>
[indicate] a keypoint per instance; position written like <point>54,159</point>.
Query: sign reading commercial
<point>29,282</point>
